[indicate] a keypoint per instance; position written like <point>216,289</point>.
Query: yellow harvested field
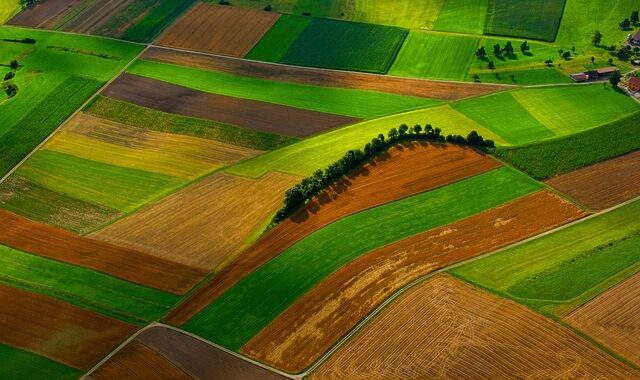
<point>204,224</point>
<point>446,329</point>
<point>613,318</point>
<point>109,142</point>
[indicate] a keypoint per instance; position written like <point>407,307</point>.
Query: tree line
<point>300,194</point>
<point>9,87</point>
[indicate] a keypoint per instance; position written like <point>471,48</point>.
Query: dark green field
<point>536,19</point>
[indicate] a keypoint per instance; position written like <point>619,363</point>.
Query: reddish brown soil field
<point>603,185</point>
<point>204,224</point>
<point>58,330</point>
<point>445,329</point>
<point>314,323</point>
<point>219,29</point>
<point>43,240</point>
<point>95,16</point>
<point>323,77</point>
<point>251,114</point>
<point>613,318</point>
<point>136,361</point>
<point>42,13</point>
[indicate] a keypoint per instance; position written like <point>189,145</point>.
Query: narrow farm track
<point>431,166</point>
<point>444,328</point>
<point>313,324</point>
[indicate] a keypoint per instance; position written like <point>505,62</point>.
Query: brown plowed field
<point>95,16</point>
<point>43,240</point>
<point>404,171</point>
<point>251,114</point>
<point>136,361</point>
<point>603,185</point>
<point>445,329</point>
<point>323,77</point>
<point>56,329</point>
<point>613,318</point>
<point>300,335</point>
<point>204,224</point>
<point>219,29</point>
<point>42,13</point>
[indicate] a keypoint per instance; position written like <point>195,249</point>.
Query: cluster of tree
<point>633,20</point>
<point>10,88</point>
<point>624,53</point>
<point>28,3</point>
<point>29,41</point>
<point>300,194</point>
<point>499,51</point>
<point>224,2</point>
<point>565,54</point>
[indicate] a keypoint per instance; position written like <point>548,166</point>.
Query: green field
<point>7,9</point>
<point>340,101</point>
<point>318,152</point>
<point>262,296</point>
<point>563,270</point>
<point>539,19</point>
<point>143,117</point>
<point>18,364</point>
<point>462,16</point>
<point>405,13</point>
<point>317,8</point>
<point>274,44</point>
<point>434,55</point>
<point>549,158</point>
<point>83,287</point>
<point>346,46</point>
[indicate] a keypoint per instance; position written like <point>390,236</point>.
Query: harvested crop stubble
<point>382,181</point>
<point>444,328</point>
<point>137,361</point>
<point>40,14</point>
<point>40,239</point>
<point>612,318</point>
<point>300,335</point>
<point>219,29</point>
<point>96,16</point>
<point>241,112</point>
<point>57,330</point>
<point>603,185</point>
<point>204,224</point>
<point>323,77</point>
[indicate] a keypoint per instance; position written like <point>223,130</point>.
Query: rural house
<point>635,39</point>
<point>601,73</point>
<point>633,84</point>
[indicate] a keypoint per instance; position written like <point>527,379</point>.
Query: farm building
<point>579,77</point>
<point>634,84</point>
<point>601,73</point>
<point>635,39</point>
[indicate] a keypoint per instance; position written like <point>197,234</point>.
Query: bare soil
<point>96,16</point>
<point>41,14</point>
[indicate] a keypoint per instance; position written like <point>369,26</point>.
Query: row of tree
<point>633,20</point>
<point>300,194</point>
<point>499,51</point>
<point>9,87</point>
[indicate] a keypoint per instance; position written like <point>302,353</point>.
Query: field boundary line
<point>74,114</point>
<point>360,326</point>
<point>38,29</point>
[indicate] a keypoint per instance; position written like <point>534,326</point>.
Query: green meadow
<point>259,298</point>
<point>276,42</point>
<point>18,364</point>
<point>462,16</point>
<point>539,19</point>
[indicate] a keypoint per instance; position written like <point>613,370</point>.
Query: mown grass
<point>274,44</point>
<point>262,296</point>
<point>18,364</point>
<point>462,16</point>
<point>344,45</point>
<point>143,117</point>
<point>83,287</point>
<point>340,101</point>
<point>523,18</point>
<point>435,55</point>
<point>564,269</point>
<point>549,158</point>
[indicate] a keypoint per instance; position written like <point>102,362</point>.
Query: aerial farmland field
<point>319,189</point>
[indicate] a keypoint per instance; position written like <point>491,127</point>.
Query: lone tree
<point>524,47</point>
<point>14,64</point>
<point>508,48</point>
<point>625,24</point>
<point>491,65</point>
<point>597,38</point>
<point>481,53</point>
<point>634,18</point>
<point>497,50</point>
<point>615,78</point>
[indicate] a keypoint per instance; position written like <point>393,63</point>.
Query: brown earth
<point>42,13</point>
<point>219,29</point>
<point>136,361</point>
<point>56,329</point>
<point>96,16</point>
<point>445,329</point>
<point>251,114</point>
<point>312,325</point>
<point>324,77</point>
<point>204,224</point>
<point>603,185</point>
<point>406,170</point>
<point>43,240</point>
<point>613,318</point>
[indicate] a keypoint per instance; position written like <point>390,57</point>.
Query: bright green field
<point>462,16</point>
<point>18,364</point>
<point>7,9</point>
<point>318,152</point>
<point>262,296</point>
<point>106,185</point>
<point>83,287</point>
<point>405,13</point>
<point>565,269</point>
<point>274,44</point>
<point>434,55</point>
<point>549,158</point>
<point>538,19</point>
<point>503,114</point>
<point>346,46</point>
<point>347,102</point>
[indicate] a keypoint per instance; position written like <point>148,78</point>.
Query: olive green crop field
<point>18,364</point>
<point>539,19</point>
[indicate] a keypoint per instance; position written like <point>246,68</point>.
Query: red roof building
<point>633,84</point>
